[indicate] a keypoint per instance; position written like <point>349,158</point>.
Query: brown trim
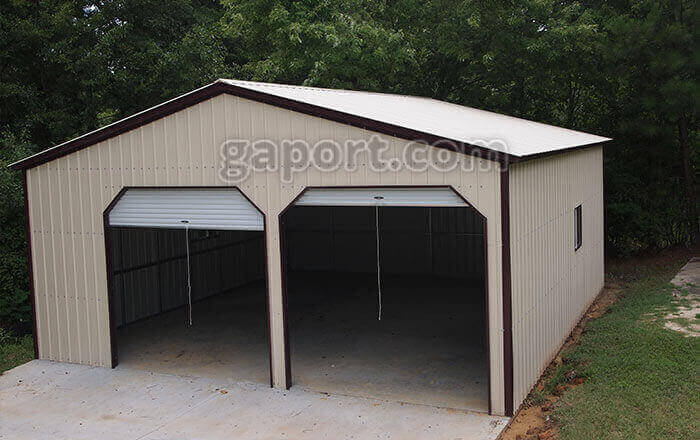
<point>30,263</point>
<point>285,321</point>
<point>507,304</point>
<point>283,279</point>
<point>122,126</point>
<point>110,279</point>
<point>518,159</point>
<point>110,283</point>
<point>267,293</point>
<point>218,87</point>
<point>288,370</point>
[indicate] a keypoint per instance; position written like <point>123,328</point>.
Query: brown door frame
<point>507,293</point>
<point>110,280</point>
<point>283,263</point>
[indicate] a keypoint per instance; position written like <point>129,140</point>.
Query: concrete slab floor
<point>47,400</point>
<point>228,339</point>
<point>429,347</point>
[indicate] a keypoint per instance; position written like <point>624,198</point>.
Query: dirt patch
<point>532,422</point>
<point>686,299</point>
<point>685,320</point>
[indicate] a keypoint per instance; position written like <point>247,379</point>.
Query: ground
<point>15,351</point>
<point>685,316</point>
<point>623,373</point>
<point>50,400</point>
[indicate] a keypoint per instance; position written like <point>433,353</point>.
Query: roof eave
<point>529,157</point>
<point>219,87</point>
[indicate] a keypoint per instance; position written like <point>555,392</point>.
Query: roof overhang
<point>221,86</point>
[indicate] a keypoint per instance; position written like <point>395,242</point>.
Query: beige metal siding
<point>552,285</point>
<point>68,195</point>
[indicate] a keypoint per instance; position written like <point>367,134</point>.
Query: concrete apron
<point>50,400</point>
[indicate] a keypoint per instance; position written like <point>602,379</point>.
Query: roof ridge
<point>427,123</point>
<point>323,89</point>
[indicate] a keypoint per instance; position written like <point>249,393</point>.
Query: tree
<point>649,54</point>
<point>328,43</point>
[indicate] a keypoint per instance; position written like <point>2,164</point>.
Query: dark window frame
<point>578,227</point>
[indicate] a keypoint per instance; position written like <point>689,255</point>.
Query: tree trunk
<point>689,179</point>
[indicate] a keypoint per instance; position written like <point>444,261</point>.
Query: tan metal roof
<point>519,137</point>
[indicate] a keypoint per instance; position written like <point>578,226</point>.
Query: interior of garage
<point>429,347</point>
<point>384,302</point>
<point>228,336</point>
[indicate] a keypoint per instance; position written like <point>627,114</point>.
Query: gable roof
<point>409,117</point>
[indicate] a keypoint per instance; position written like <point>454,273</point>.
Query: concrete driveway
<point>49,400</point>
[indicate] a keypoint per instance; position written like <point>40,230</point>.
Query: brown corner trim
<point>218,87</point>
<point>507,300</point>
<point>30,263</point>
<point>487,323</point>
<point>110,281</point>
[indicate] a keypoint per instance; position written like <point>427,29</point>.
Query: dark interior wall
<point>446,242</point>
<point>149,267</point>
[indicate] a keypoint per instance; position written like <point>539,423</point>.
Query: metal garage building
<point>448,273</point>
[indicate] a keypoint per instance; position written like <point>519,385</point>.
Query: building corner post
<point>506,284</point>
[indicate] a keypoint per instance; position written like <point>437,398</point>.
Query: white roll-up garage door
<point>224,208</point>
<point>433,197</point>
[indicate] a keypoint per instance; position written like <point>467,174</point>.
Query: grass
<point>15,351</point>
<point>641,378</point>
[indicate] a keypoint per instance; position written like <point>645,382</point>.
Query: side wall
<point>67,197</point>
<point>150,267</point>
<point>552,284</point>
<point>443,242</point>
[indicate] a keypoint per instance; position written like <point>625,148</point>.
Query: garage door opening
<point>417,333</point>
<point>181,254</point>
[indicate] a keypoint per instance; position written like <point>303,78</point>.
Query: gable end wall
<point>68,195</point>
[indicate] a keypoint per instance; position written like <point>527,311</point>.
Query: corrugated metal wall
<point>150,267</point>
<point>552,285</point>
<point>67,197</point>
<point>446,242</point>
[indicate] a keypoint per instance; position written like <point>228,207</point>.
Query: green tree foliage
<point>14,282</point>
<point>332,43</point>
<point>625,69</point>
<point>651,101</point>
<point>67,67</point>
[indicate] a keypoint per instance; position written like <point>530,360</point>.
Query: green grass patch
<point>15,351</point>
<point>536,398</point>
<point>642,379</point>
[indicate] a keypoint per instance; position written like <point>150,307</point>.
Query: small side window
<point>578,228</point>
